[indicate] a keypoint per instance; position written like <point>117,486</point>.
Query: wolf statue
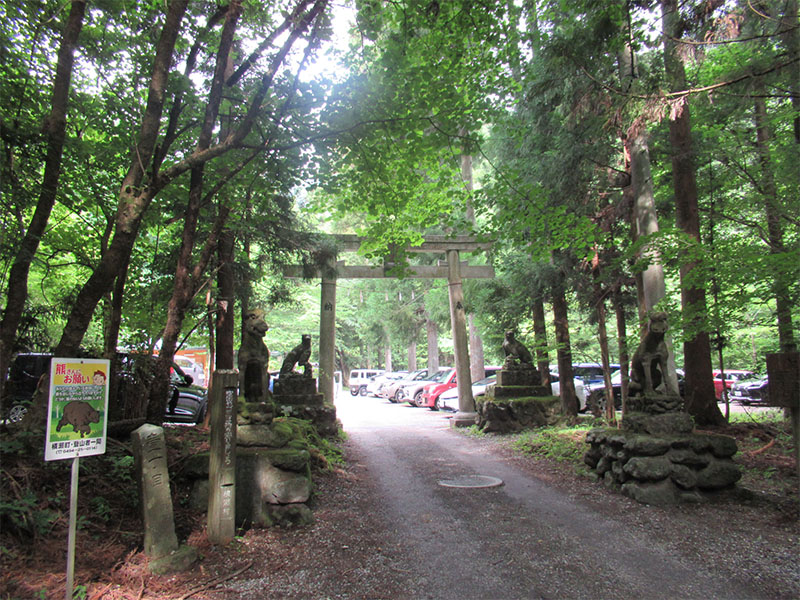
<point>253,360</point>
<point>649,363</point>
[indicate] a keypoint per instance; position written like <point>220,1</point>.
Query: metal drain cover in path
<point>471,481</point>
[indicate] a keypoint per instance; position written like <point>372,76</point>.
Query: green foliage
<point>324,453</point>
<point>121,467</point>
<point>25,516</point>
<point>563,444</point>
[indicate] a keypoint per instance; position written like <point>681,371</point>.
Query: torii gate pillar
<point>327,332</point>
<point>466,414</point>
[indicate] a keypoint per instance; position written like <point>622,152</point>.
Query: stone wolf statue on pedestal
<point>253,360</point>
<point>515,351</point>
<point>649,363</point>
<point>298,356</point>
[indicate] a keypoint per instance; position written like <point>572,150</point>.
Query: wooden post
<point>466,415</point>
<point>222,461</point>
<point>327,333</point>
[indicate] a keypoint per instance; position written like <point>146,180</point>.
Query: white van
<point>359,378</point>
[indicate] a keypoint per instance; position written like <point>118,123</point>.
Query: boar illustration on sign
<point>79,415</point>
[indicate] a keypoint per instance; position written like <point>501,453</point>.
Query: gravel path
<point>386,528</point>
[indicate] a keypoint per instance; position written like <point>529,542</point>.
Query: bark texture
<point>700,398</point>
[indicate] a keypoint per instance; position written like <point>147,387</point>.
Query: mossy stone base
<point>663,468</point>
<point>505,415</point>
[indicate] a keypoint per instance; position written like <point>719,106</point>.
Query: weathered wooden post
<point>466,403</point>
<point>222,461</point>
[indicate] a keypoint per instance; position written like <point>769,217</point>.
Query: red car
<point>432,391</point>
<point>731,377</point>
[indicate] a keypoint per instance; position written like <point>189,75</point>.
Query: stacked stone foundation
<point>656,458</point>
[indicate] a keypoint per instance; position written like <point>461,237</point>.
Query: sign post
<point>222,459</point>
<point>77,416</point>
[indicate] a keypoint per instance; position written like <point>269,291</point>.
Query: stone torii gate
<point>452,269</point>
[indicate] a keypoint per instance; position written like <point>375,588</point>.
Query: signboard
<point>77,412</point>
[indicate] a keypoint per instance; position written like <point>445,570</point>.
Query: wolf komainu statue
<point>515,351</point>
<point>649,363</point>
<point>299,356</point>
<point>253,361</point>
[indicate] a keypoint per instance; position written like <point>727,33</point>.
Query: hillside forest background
<point>162,162</point>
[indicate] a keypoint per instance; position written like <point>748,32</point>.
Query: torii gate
<point>453,270</point>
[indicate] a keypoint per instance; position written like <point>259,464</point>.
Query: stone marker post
<point>327,332</point>
<point>222,460</point>
<point>150,459</point>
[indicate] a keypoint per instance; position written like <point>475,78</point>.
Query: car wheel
<point>435,405</point>
<point>418,399</point>
<point>201,415</point>
<point>363,391</point>
<point>354,391</point>
<point>16,413</point>
<point>398,396</point>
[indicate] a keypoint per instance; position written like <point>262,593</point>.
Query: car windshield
<point>747,377</point>
<point>486,380</point>
<point>440,376</point>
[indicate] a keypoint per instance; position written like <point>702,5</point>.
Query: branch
<point>691,91</point>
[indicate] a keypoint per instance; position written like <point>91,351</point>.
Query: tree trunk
<point>602,338</point>
<point>540,336</point>
<point>476,357</point>
<point>55,127</point>
<point>115,313</point>
<point>790,36</point>
<point>432,331</point>
<point>187,277</point>
<point>569,402</point>
<point>701,401</point>
<point>772,208</point>
<point>225,302</point>
<point>387,353</point>
<point>622,340</point>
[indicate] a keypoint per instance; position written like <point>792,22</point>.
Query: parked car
<point>360,378</point>
<point>580,389</point>
<point>188,403</point>
<point>731,377</point>
<point>376,383</point>
<point>448,400</point>
<point>432,391</point>
<point>411,391</point>
<point>753,390</point>
<point>193,368</point>
<point>389,391</point>
<point>591,372</point>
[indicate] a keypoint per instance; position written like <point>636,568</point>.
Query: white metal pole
<point>73,517</point>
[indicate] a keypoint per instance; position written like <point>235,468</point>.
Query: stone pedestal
<point>519,381</point>
<point>655,458</point>
<point>297,396</point>
<point>273,476</point>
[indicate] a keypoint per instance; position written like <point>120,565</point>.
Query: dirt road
<point>524,539</point>
<point>386,528</point>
